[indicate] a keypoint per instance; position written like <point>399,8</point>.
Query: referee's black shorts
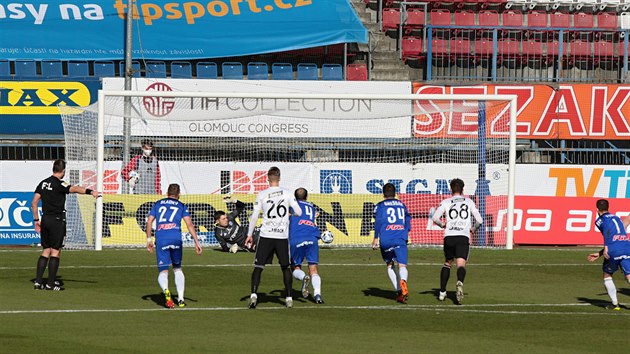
<point>456,247</point>
<point>53,231</point>
<point>267,247</point>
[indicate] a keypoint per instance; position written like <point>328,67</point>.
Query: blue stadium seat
<point>104,69</point>
<point>181,70</point>
<point>307,71</point>
<point>332,72</point>
<point>5,69</point>
<point>232,71</point>
<point>135,67</point>
<point>282,71</point>
<point>155,69</point>
<point>257,71</point>
<point>25,68</point>
<point>207,70</point>
<point>78,68</point>
<point>52,69</point>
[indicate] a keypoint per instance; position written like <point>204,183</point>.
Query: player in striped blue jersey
<point>303,237</point>
<point>392,224</point>
<point>616,248</point>
<point>168,214</point>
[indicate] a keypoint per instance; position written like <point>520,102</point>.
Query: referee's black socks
<point>444,275</point>
<point>42,262</point>
<point>53,267</point>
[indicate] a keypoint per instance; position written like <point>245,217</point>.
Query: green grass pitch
<point>519,301</point>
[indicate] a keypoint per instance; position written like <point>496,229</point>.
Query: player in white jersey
<point>459,225</point>
<point>274,202</point>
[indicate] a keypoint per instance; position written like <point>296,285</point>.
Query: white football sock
<point>180,283</point>
<point>403,273</point>
<point>393,277</point>
<point>612,290</point>
<point>298,274</point>
<point>317,284</point>
<point>163,280</point>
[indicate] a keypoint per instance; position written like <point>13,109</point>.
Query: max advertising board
<point>578,111</point>
<point>30,107</point>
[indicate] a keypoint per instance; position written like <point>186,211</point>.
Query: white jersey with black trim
<point>459,212</point>
<point>274,202</point>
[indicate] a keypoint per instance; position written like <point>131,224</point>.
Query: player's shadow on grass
<point>594,302</point>
<point>63,281</point>
<point>386,294</point>
<point>160,300</point>
<point>435,292</point>
<point>275,296</point>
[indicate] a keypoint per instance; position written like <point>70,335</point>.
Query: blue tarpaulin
<point>172,29</point>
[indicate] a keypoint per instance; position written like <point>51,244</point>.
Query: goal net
<point>342,148</point>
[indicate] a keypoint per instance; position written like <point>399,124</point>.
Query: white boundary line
<point>437,308</point>
<point>585,264</point>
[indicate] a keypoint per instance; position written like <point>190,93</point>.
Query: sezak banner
<point>571,111</point>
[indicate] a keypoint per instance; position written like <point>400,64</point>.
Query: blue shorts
<point>611,265</point>
<point>305,249</point>
<point>169,252</point>
<point>394,250</point>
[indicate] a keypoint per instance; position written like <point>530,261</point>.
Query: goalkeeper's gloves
<point>234,248</point>
<point>228,199</point>
<point>133,178</point>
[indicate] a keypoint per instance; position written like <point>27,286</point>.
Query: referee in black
<point>52,226</point>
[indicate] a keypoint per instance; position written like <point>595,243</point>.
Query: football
<point>327,237</point>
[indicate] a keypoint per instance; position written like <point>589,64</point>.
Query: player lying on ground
<point>230,235</point>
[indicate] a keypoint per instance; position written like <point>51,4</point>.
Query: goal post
<point>417,142</point>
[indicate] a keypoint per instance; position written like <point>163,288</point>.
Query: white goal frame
<point>103,94</point>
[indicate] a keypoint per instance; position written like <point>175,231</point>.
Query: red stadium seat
<point>440,53</point>
<point>391,19</point>
<point>510,53</point>
<point>513,18</point>
<point>483,52</point>
<point>489,18</point>
<point>464,18</point>
<point>537,19</point>
<point>605,54</point>
<point>357,72</point>
<point>440,17</point>
<point>581,49</point>
<point>606,20</point>
<point>533,54</point>
<point>460,46</point>
<point>411,47</point>
<point>583,20</point>
<point>415,18</point>
<point>560,19</point>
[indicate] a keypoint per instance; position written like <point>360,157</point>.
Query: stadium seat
<point>584,21</point>
<point>104,69</point>
<point>415,22</point>
<point>581,54</point>
<point>390,21</point>
<point>51,68</point>
<point>484,49</point>
<point>440,17</point>
<point>135,68</point>
<point>464,18</point>
<point>533,54</point>
<point>332,72</point>
<point>604,53</point>
<point>510,53</point>
<point>537,19</point>
<point>560,20</point>
<point>440,53</point>
<point>25,68</point>
<point>282,71</point>
<point>232,70</point>
<point>181,70</point>
<point>257,71</point>
<point>607,20</point>
<point>307,71</point>
<point>512,18</point>
<point>5,68</point>
<point>155,69</point>
<point>488,18</point>
<point>207,70</point>
<point>357,72</point>
<point>411,47</point>
<point>78,68</point>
